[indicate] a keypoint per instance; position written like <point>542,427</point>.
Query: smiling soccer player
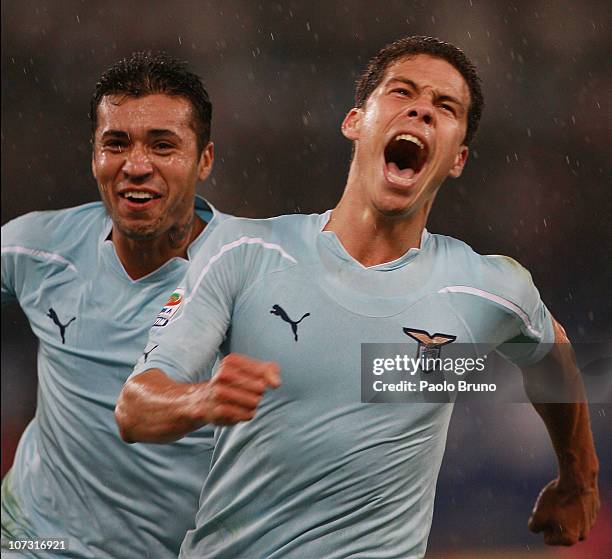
<point>90,280</point>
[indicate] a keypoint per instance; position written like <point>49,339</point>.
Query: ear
<point>205,164</point>
<point>352,124</point>
<point>93,163</point>
<point>460,160</point>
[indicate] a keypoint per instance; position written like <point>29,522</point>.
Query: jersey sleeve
<point>532,335</point>
<point>189,329</point>
<point>20,246</point>
<point>8,277</point>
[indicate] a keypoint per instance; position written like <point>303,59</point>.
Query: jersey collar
<point>332,242</point>
<point>206,211</point>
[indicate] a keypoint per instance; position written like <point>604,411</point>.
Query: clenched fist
<point>565,517</point>
<point>235,391</point>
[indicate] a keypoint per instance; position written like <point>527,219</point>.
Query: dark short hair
<point>411,46</point>
<point>146,73</point>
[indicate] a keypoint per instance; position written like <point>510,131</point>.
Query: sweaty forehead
<point>155,111</point>
<point>431,72</point>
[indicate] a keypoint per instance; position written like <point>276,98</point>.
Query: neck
<point>141,257</point>
<point>372,237</point>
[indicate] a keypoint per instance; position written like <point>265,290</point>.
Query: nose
<point>137,165</point>
<point>421,110</point>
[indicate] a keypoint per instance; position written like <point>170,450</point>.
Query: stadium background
<point>280,76</point>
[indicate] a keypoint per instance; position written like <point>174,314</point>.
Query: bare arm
<point>567,507</point>
<point>154,408</point>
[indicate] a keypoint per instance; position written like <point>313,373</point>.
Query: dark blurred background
<point>281,76</point>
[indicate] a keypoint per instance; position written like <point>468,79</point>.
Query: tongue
<point>406,173</point>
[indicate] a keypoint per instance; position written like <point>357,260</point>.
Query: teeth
<point>138,195</point>
<point>410,138</point>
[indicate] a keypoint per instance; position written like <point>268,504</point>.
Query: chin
<point>394,205</point>
<point>394,210</point>
<point>138,231</point>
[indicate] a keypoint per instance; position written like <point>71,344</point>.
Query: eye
<point>114,146</point>
<point>402,91</point>
<point>448,108</point>
<point>162,146</point>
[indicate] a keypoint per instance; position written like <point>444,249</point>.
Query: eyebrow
<point>114,134</point>
<point>413,85</point>
<point>155,133</point>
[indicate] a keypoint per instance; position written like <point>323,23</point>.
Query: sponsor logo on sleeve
<point>172,306</point>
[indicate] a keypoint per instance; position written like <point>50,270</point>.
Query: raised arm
<point>154,408</point>
<point>567,507</point>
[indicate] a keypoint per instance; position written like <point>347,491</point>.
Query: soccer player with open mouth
<point>302,467</point>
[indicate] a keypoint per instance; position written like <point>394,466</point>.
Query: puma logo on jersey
<point>279,311</point>
<point>429,345</point>
<point>148,351</point>
<point>62,327</point>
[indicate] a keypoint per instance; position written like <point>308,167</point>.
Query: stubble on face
<point>149,230</point>
<point>172,174</point>
<point>137,232</point>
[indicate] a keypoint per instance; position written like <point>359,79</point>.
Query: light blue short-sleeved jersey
<point>317,473</point>
<point>73,477</point>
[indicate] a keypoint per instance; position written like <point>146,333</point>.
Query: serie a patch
<point>172,306</point>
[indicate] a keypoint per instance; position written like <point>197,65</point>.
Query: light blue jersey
<point>317,473</point>
<point>73,477</point>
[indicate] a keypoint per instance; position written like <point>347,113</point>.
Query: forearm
<point>156,409</point>
<point>568,421</point>
<point>569,428</point>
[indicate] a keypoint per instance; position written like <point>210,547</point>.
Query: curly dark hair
<point>411,46</point>
<point>145,73</point>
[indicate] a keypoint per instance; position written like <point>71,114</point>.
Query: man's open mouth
<point>139,196</point>
<point>405,156</point>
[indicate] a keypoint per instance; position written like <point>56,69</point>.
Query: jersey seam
<point>519,312</point>
<point>37,254</point>
<point>364,315</point>
<point>227,248</point>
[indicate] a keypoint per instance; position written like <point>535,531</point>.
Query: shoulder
<point>55,231</point>
<point>243,250</point>
<point>286,234</point>
<point>491,276</point>
<point>292,224</point>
